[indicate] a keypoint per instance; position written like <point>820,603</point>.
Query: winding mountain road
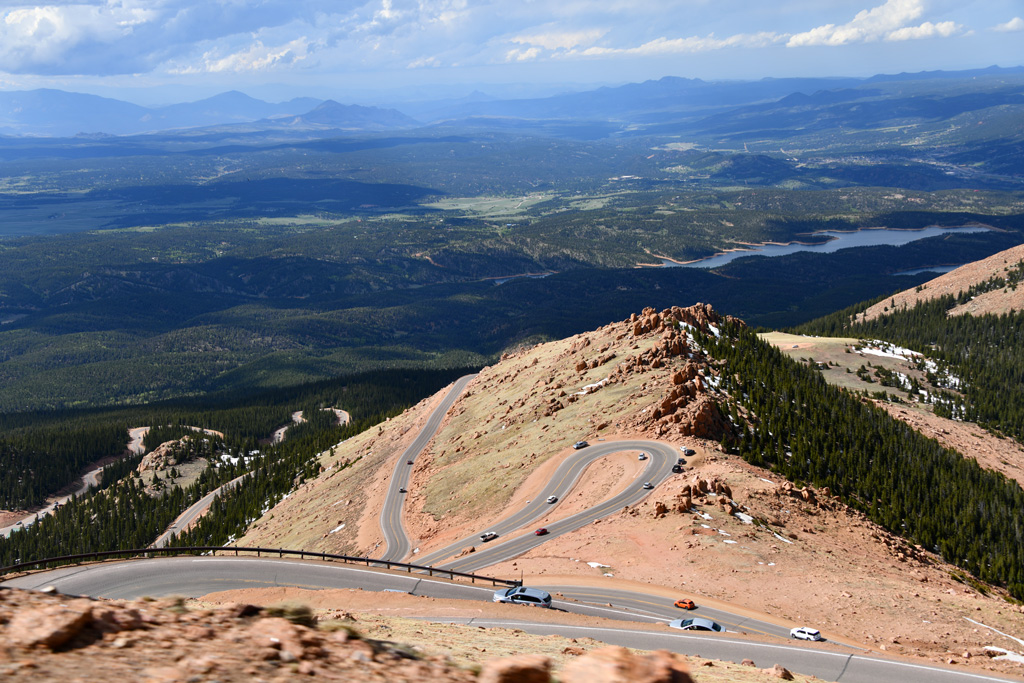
<point>395,538</point>
<point>661,457</point>
<point>197,576</point>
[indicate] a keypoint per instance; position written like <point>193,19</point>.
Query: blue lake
<point>869,237</point>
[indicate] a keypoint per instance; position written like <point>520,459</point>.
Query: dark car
<point>676,469</point>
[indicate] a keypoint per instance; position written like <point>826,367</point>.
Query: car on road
<point>408,462</point>
<point>697,624</point>
<point>685,603</point>
<point>552,499</point>
<point>805,633</point>
<point>488,536</point>
<point>648,485</point>
<point>521,595</point>
<point>642,456</point>
<point>541,532</point>
<point>580,444</point>
<point>402,490</point>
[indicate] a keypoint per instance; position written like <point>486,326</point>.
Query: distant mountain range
<point>56,113</point>
<point>648,105</point>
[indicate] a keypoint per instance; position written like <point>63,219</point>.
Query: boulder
<point>779,671</point>
<point>519,669</point>
<point>619,665</point>
<point>49,627</point>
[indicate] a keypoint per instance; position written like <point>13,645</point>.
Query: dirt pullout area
<point>960,280</point>
<point>801,562</point>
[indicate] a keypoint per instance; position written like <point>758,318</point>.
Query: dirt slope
<point>960,280</point>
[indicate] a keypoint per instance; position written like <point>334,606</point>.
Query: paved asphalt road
<point>195,576</point>
<point>194,511</point>
<point>398,545</point>
<point>659,467</point>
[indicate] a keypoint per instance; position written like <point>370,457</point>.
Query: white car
<point>805,633</point>
<point>642,456</point>
<point>648,485</point>
<point>488,536</point>
<point>552,499</point>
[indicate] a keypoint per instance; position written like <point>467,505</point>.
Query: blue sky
<point>276,49</point>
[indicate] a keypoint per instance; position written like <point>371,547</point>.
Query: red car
<point>541,532</point>
<point>685,603</point>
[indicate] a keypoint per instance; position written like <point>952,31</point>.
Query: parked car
<point>642,456</point>
<point>521,595</point>
<point>552,499</point>
<point>805,633</point>
<point>488,536</point>
<point>648,485</point>
<point>688,451</point>
<point>685,603</point>
<point>697,624</point>
<point>580,444</point>
<point>541,532</point>
<point>676,469</point>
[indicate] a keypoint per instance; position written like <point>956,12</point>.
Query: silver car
<point>521,595</point>
<point>697,624</point>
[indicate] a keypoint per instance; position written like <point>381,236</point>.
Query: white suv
<point>805,633</point>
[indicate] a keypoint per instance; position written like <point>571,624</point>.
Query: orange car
<point>686,603</point>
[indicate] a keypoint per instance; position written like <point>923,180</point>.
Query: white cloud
<point>33,36</point>
<point>1015,24</point>
<point>257,57</point>
<point>885,22</point>
<point>691,45</point>
<point>563,40</point>
<point>943,29</point>
<point>518,55</point>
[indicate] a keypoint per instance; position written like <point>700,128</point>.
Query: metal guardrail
<point>144,553</point>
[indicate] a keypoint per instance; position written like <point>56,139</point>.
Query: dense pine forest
<point>985,352</point>
<point>123,514</point>
<point>809,431</point>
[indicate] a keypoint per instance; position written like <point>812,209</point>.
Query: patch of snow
<point>782,538</point>
<point>728,541</point>
<point>608,575</point>
<point>1007,656</point>
<point>724,533</point>
<point>767,481</point>
<point>706,515</point>
<point>592,387</point>
<point>714,330</point>
<point>336,529</point>
<point>744,517</point>
<point>598,565</point>
<point>705,526</point>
